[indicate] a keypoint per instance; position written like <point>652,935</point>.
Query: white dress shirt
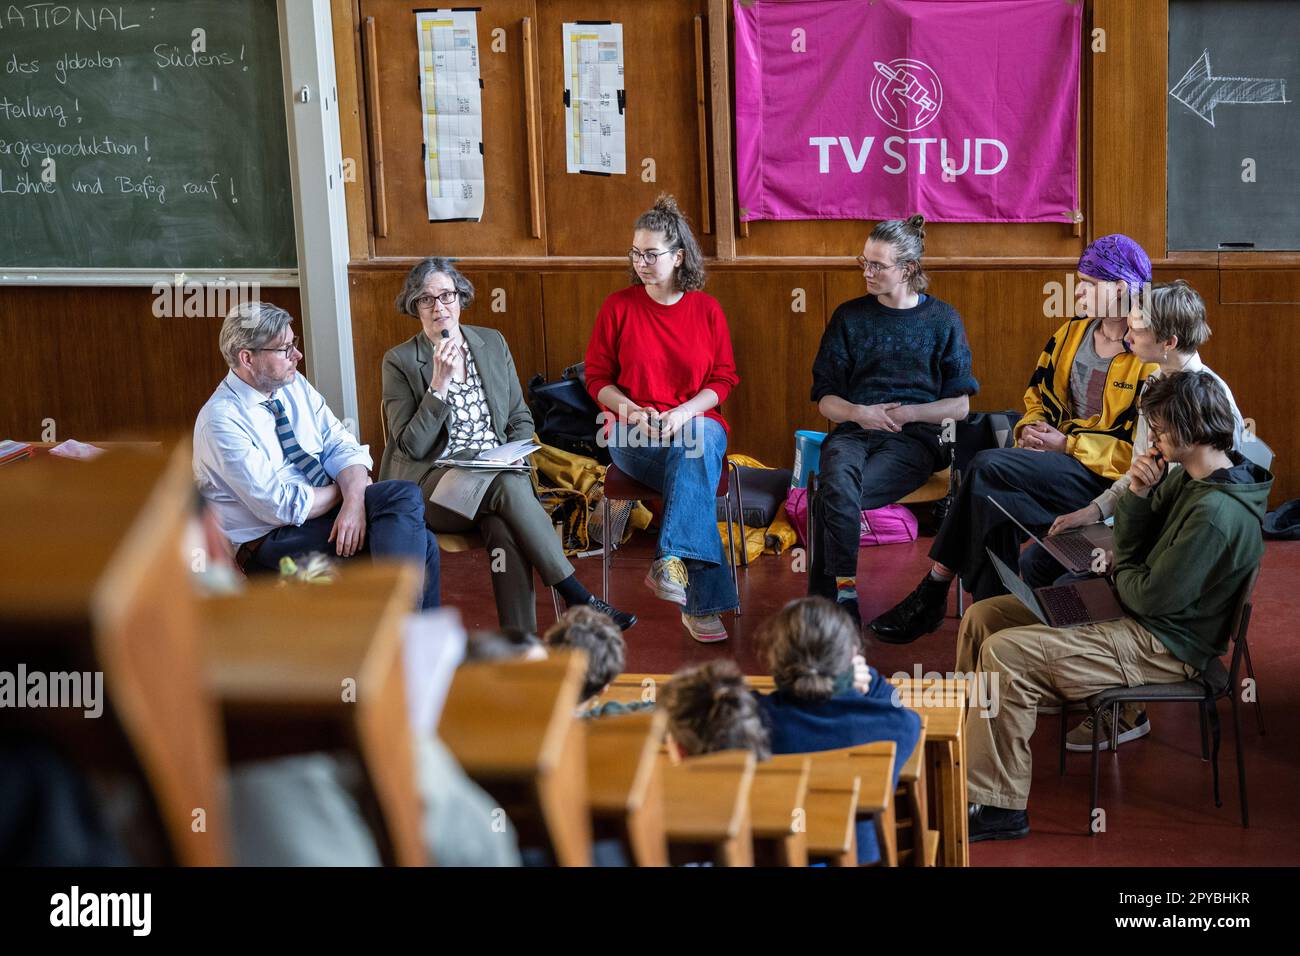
<point>240,467</point>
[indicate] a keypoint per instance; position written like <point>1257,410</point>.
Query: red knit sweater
<point>661,356</point>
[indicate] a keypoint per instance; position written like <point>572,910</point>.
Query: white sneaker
<point>706,628</point>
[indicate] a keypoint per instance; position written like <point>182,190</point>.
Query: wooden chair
<point>620,487</point>
<point>706,808</point>
<point>778,809</point>
<point>873,766</point>
<point>319,667</point>
<point>830,811</point>
<point>918,843</point>
<point>96,580</point>
<point>512,726</point>
<point>625,783</point>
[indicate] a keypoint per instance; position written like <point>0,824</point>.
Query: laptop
<point>1063,605</point>
<point>1074,548</point>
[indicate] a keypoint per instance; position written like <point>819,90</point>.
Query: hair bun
<point>917,222</point>
<point>667,203</point>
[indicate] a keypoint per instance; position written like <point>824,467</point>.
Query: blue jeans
<point>394,529</point>
<point>686,473</point>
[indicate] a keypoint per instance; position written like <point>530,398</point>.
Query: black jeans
<point>1035,486</point>
<point>861,470</point>
<point>394,528</point>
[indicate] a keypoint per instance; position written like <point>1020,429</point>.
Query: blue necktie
<point>306,462</point>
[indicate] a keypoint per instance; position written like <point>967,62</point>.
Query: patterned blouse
<point>470,425</point>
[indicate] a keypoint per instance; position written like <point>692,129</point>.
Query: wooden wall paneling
<point>101,365</point>
<point>506,226</point>
<point>774,348</point>
<point>377,327</point>
<point>592,215</point>
<point>844,237</point>
<point>570,301</point>
<point>347,58</point>
<point>1260,285</point>
<point>1127,139</point>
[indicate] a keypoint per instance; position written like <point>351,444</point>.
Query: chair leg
<point>740,511</point>
<point>555,603</point>
<point>731,550</point>
<point>1096,766</point>
<point>1205,734</point>
<point>1241,762</point>
<point>605,549</point>
<point>1217,735</point>
<point>1114,729</point>
<point>961,598</point>
<point>1250,670</point>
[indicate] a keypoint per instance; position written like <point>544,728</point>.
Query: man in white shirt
<point>282,474</point>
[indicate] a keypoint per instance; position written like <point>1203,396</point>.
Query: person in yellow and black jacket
<point>1076,437</point>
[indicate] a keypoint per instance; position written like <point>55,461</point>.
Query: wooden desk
<point>706,802</point>
<point>914,808</point>
<point>95,580</point>
<point>313,667</point>
<point>830,809</point>
<point>942,702</point>
<point>625,782</point>
<point>778,811</point>
<point>512,726</point>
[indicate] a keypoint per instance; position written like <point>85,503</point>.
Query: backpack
<point>565,416</point>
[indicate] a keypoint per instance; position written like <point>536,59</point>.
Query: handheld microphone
<point>446,334</point>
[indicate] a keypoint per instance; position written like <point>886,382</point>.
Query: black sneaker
<point>623,619</point>
<point>918,614</point>
<point>995,823</point>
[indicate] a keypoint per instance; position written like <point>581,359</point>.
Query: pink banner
<point>961,110</point>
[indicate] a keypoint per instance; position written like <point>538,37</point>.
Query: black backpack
<point>565,416</point>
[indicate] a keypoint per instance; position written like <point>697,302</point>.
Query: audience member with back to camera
<point>659,361</point>
<point>451,391</point>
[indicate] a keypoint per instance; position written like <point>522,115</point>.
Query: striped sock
<point>846,589</point>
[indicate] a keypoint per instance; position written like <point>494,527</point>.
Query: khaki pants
<point>1025,662</point>
<point>519,537</point>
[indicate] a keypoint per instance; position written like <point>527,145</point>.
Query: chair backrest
<point>1255,450</point>
<point>1239,623</point>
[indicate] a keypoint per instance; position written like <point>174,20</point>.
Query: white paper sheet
<point>451,101</point>
<point>433,644</point>
<point>594,93</point>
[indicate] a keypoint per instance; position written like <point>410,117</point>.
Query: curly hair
<point>595,633</point>
<point>665,218</point>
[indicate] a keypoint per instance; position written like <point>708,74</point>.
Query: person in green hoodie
<point>1186,541</point>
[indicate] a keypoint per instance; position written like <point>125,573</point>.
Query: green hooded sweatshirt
<point>1183,553</point>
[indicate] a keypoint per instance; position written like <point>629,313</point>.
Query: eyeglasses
<point>637,256</point>
<point>446,298</point>
<point>285,350</point>
<point>871,268</point>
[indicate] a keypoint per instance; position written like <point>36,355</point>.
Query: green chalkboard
<point>145,134</point>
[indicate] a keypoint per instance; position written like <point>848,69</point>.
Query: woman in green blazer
<point>451,391</point>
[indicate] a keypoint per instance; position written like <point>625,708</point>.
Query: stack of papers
<point>14,451</point>
<point>462,488</point>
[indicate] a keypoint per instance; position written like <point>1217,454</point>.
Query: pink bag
<point>892,524</point>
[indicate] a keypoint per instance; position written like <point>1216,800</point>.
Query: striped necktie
<point>306,462</point>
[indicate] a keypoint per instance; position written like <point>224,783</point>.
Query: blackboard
<point>149,134</point>
<point>1234,125</point>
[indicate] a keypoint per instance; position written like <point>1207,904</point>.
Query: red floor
<point>1157,794</point>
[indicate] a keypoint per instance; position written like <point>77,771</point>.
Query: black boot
<point>623,619</point>
<point>995,823</point>
<point>919,613</point>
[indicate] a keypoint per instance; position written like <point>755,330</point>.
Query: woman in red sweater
<point>660,363</point>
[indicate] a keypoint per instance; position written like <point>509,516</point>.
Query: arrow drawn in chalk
<point>1201,91</point>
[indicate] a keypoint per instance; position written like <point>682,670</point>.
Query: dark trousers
<point>1035,486</point>
<point>861,470</point>
<point>394,529</point>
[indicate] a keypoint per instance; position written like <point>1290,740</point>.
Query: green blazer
<point>416,420</point>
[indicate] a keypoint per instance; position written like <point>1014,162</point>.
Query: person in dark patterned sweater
<point>893,366</point>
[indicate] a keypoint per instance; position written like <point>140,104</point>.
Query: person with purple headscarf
<point>1074,440</point>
